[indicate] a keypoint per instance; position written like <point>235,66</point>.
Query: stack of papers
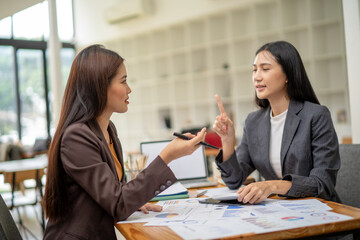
<point>175,191</point>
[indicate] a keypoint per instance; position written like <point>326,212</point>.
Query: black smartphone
<point>214,201</point>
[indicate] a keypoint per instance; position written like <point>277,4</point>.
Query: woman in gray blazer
<point>291,140</point>
<point>85,191</point>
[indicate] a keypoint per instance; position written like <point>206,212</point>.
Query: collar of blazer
<point>95,128</point>
<point>295,106</point>
<point>259,127</point>
<point>291,125</point>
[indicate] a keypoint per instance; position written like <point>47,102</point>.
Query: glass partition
<point>8,116</point>
<point>32,95</point>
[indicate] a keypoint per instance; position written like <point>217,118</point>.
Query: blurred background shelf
<point>181,66</point>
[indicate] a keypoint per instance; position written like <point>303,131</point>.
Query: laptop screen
<point>187,167</point>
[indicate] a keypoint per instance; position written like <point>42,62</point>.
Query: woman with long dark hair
<point>85,191</point>
<point>291,140</point>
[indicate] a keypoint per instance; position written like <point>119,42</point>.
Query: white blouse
<point>277,129</point>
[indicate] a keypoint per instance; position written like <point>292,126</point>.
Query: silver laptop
<point>190,170</point>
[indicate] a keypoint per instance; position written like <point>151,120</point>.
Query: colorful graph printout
<point>231,213</point>
<point>262,222</point>
<point>172,202</point>
<point>292,218</point>
<point>167,215</point>
<point>318,214</point>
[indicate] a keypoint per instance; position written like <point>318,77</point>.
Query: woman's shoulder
<point>314,109</point>
<point>76,128</point>
<point>78,131</point>
<point>310,112</point>
<point>255,115</point>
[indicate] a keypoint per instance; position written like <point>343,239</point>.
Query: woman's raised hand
<point>178,147</point>
<point>223,125</point>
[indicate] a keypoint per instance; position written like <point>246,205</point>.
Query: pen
<point>201,193</point>
<point>182,136</point>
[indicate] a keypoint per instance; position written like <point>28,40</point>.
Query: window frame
<point>17,44</point>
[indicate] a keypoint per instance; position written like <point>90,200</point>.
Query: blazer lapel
<point>95,128</point>
<point>291,125</point>
<point>263,147</point>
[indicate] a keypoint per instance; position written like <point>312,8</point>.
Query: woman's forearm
<point>228,149</point>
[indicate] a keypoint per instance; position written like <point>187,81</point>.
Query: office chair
<point>8,229</point>
<point>348,178</point>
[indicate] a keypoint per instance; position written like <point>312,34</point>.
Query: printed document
<point>192,220</point>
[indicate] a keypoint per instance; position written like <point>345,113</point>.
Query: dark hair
<point>84,99</point>
<point>298,87</point>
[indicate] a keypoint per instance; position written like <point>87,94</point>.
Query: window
<point>32,95</point>
<point>32,23</point>
<point>67,56</point>
<point>8,114</point>
<point>24,82</point>
<point>5,28</point>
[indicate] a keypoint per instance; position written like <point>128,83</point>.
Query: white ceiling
<point>9,7</point>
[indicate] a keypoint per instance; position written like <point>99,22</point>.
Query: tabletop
<point>23,164</point>
<point>139,231</point>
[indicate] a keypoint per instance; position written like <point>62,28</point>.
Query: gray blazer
<point>309,151</point>
<point>97,197</point>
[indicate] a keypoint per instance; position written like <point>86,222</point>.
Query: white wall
<point>352,38</point>
<point>91,26</point>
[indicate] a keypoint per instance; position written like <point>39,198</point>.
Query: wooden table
<point>27,164</point>
<point>138,231</point>
<point>16,171</point>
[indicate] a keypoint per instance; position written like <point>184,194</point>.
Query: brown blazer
<point>97,198</point>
